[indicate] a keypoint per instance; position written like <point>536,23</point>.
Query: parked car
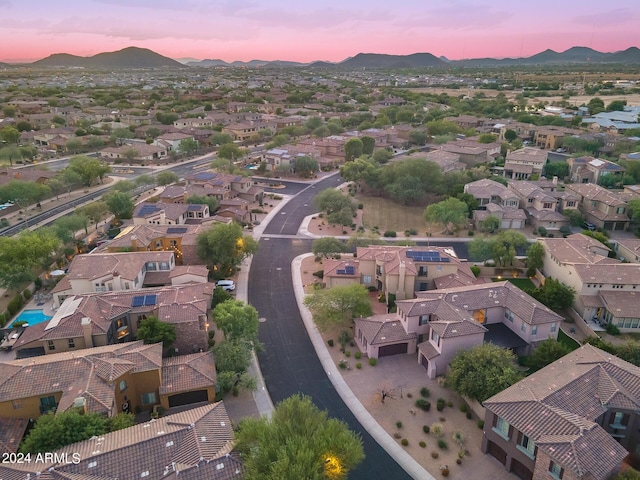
<point>588,226</point>
<point>227,285</point>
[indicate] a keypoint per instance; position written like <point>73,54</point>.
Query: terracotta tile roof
<point>11,433</point>
<point>383,329</point>
<point>619,273</point>
<point>428,350</point>
<point>337,268</point>
<point>188,372</point>
<point>620,303</point>
<point>126,264</point>
<point>456,329</point>
<point>557,407</point>
<point>576,248</point>
<point>196,443</point>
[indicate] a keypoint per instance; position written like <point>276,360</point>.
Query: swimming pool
<point>32,317</point>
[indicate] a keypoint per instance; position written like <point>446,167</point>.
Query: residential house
<point>550,137</point>
<point>510,218</point>
<point>171,141</point>
<point>439,323</point>
<point>525,131</point>
<point>115,272</point>
<point>154,449</point>
<point>399,271</point>
<point>248,130</point>
<point>607,290</point>
<point>447,161</point>
<point>542,208</point>
<point>472,152</point>
<point>331,147</point>
<point>591,170</point>
<point>466,122</point>
<point>193,123</point>
<point>284,157</point>
<point>11,432</point>
<point>96,319</point>
<point>627,249</point>
<point>522,164</point>
<point>238,185</point>
<point>496,200</point>
<point>602,207</point>
<point>160,213</point>
<point>109,379</point>
<point>616,121</point>
<point>574,419</point>
<point>134,152</point>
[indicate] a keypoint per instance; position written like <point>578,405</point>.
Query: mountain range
<point>134,57</point>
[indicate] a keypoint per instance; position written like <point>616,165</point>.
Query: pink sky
<point>316,30</point>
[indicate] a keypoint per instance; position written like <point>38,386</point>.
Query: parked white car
<point>228,285</point>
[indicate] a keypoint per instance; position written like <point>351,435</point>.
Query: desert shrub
<point>372,362</point>
<point>475,270</point>
<point>342,364</point>
<point>3,319</point>
<point>542,231</point>
<point>15,305</point>
<point>449,404</point>
<point>26,294</point>
<point>470,233</point>
<point>390,233</point>
<point>437,430</point>
<point>360,206</point>
<point>357,355</point>
<point>38,283</point>
<point>330,342</point>
<point>404,442</point>
<point>423,404</point>
<point>442,444</point>
<point>422,444</point>
<point>410,231</point>
<point>397,436</point>
<point>347,353</point>
<point>424,391</point>
<point>409,395</point>
<point>440,404</point>
<point>464,408</point>
<point>399,424</point>
<point>211,333</point>
<point>612,329</point>
<point>319,273</point>
<point>435,454</point>
<point>480,424</point>
<point>426,428</point>
<point>358,365</point>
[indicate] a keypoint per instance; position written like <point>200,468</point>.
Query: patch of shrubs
<point>426,428</point>
<point>480,424</point>
<point>357,355</point>
<point>422,444</point>
<point>330,342</point>
<point>404,442</point>
<point>440,404</point>
<point>423,404</point>
<point>14,306</point>
<point>372,362</point>
<point>390,233</point>
<point>424,391</point>
<point>442,444</point>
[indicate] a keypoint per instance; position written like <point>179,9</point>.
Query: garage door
<point>188,398</point>
<point>520,471</point>
<point>393,349</point>
<point>424,361</point>
<point>497,452</point>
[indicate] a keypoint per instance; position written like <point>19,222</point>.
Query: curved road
<point>289,362</point>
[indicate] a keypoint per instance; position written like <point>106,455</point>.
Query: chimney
<point>80,404</point>
<point>86,332</point>
<point>134,243</point>
<point>555,180</point>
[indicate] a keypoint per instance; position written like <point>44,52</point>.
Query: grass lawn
<point>567,340</point>
<point>388,215</point>
<point>521,283</point>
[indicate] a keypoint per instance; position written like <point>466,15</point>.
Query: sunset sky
<point>302,30</point>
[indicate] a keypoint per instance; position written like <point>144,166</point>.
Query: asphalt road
<point>289,363</point>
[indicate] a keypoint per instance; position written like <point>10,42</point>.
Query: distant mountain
<point>186,60</point>
<point>378,60</point>
<point>208,63</point>
<point>322,64</point>
<point>131,57</point>
<point>630,55</point>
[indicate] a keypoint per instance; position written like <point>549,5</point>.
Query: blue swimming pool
<point>32,317</point>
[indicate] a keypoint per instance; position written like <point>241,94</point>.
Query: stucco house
<point>602,207</point>
<point>575,419</point>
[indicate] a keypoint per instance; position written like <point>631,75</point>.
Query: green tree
<point>338,207</point>
<point>452,213</point>
<point>123,186</point>
<point>67,226</point>
<point>628,474</point>
<point>535,256</point>
<point>73,146</point>
<point>238,321</point>
<point>53,431</point>
<point>152,330</point>
<point>70,178</point>
<point>166,178</point>
<point>23,193</point>
<point>359,170</point>
<point>510,135</point>
<point>487,138</point>
<point>482,371</point>
<point>219,138</point>
<point>120,204</point>
<point>211,202</point>
<point>504,245</point>
<point>89,169</point>
<point>224,247</point>
<point>368,144</point>
<point>10,135</point>
<point>490,224</point>
<point>94,211</point>
<point>382,155</point>
<point>57,186</point>
<point>575,217</point>
<point>188,146</point>
<point>557,169</point>
<point>554,294</point>
<point>616,106</point>
<point>547,352</point>
<point>409,181</point>
<point>298,441</point>
<point>230,151</point>
<point>10,153</point>
<point>19,255</point>
<point>305,166</point>
<point>633,206</point>
<point>328,247</point>
<point>418,137</point>
<point>338,305</point>
<point>353,149</point>
<point>479,249</point>
<point>595,105</point>
<point>233,358</point>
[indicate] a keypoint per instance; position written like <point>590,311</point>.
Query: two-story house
<point>542,208</point>
<point>591,170</point>
<point>399,271</point>
<point>441,322</point>
<point>575,419</point>
<point>109,380</point>
<point>161,213</point>
<point>607,290</point>
<point>602,207</point>
<point>496,200</point>
<point>96,319</point>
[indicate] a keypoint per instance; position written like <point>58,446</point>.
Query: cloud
<point>608,18</point>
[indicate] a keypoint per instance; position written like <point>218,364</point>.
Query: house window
<point>527,446</point>
<point>123,386</point>
<point>502,428</point>
<point>149,398</point>
<point>423,319</point>
<point>16,404</point>
<point>508,314</point>
<point>71,343</point>
<point>422,271</point>
<point>555,470</point>
<point>534,330</point>
<point>164,265</point>
<point>523,327</point>
<point>379,270</point>
<point>547,205</point>
<point>50,345</point>
<point>126,285</point>
<point>479,315</point>
<point>620,210</point>
<point>571,204</point>
<point>553,327</point>
<point>435,337</point>
<point>366,279</point>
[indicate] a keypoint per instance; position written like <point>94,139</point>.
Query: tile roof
<point>618,273</point>
<point>428,350</point>
<point>576,248</point>
<point>128,265</point>
<point>188,372</point>
<point>196,443</point>
<point>557,406</point>
<point>383,329</point>
<point>450,329</point>
<point>11,433</point>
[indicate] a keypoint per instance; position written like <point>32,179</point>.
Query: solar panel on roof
<point>137,301</point>
<point>147,209</point>
<point>350,270</point>
<point>150,300</point>
<point>177,230</point>
<point>194,207</point>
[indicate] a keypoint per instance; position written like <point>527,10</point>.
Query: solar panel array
<point>177,230</point>
<point>147,209</point>
<point>347,270</point>
<point>426,256</point>
<point>144,300</point>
